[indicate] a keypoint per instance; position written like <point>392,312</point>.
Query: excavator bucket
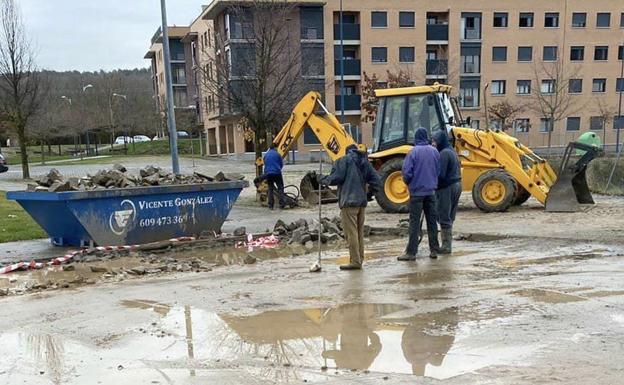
<point>571,189</point>
<point>309,188</point>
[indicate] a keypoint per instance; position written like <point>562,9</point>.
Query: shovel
<point>316,267</point>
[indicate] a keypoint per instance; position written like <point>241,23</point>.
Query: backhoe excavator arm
<point>331,134</point>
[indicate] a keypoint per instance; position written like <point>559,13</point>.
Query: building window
<point>469,93</point>
<point>622,20</point>
<point>525,53</point>
<point>311,23</point>
<point>406,54</point>
<point>550,53</point>
<point>471,26</point>
<point>577,53</point>
<point>546,124</point>
<point>523,87</point>
<point>599,85</point>
<point>548,86</point>
<point>379,19</point>
<point>603,20</point>
<point>470,59</point>
<point>312,60</point>
<point>522,124</point>
<point>601,52</point>
<point>499,53</point>
<point>579,20</point>
<point>618,122</point>
<point>575,86</point>
<point>619,85</point>
<point>596,123</point>
<point>379,54</point>
<point>551,20</point>
<point>407,19</point>
<point>498,87</point>
<point>621,52</point>
<point>500,19</point>
<point>573,123</point>
<point>526,20</point>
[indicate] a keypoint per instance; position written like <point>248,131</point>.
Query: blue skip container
<point>130,216</point>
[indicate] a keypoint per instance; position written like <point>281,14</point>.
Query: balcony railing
<point>437,32</point>
<point>437,67</point>
<point>471,34</point>
<point>469,67</point>
<point>351,103</point>
<point>352,67</point>
<point>351,31</point>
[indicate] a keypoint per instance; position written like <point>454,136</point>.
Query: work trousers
<point>353,227</point>
<point>447,200</point>
<point>416,206</point>
<point>274,180</point>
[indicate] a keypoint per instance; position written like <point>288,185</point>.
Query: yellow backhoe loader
<point>496,167</point>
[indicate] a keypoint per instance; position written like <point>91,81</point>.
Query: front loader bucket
<point>571,189</point>
<point>309,190</point>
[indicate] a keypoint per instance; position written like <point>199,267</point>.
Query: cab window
<point>422,113</point>
<point>393,120</point>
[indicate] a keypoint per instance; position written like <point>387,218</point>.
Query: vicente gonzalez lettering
<point>178,202</point>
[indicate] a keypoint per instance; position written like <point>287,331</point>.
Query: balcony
<point>471,34</point>
<point>351,103</point>
<point>437,32</point>
<point>469,68</point>
<point>437,67</point>
<point>351,67</point>
<point>351,31</point>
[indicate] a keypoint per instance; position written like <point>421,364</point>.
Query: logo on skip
<point>121,219</point>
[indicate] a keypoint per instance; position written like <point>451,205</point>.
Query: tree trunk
<point>21,136</point>
<point>42,152</point>
<point>258,150</point>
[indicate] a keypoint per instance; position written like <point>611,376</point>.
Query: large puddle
<point>309,344</point>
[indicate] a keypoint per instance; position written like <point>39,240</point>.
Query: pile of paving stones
<point>118,177</point>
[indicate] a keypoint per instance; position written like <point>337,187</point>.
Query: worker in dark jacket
<point>352,173</point>
<point>273,164</point>
<point>449,188</point>
<point>421,168</point>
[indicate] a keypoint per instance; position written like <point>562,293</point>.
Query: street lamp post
<point>68,100</point>
<point>88,142</point>
<point>173,135</point>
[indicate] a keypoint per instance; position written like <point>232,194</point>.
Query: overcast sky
<point>88,35</point>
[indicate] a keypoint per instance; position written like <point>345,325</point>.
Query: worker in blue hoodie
<point>273,164</point>
<point>421,168</point>
<point>449,188</point>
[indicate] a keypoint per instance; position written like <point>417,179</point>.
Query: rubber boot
<point>351,266</point>
<point>447,239</point>
<point>433,254</point>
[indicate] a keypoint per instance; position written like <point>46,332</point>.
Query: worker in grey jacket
<point>352,173</point>
<point>449,188</point>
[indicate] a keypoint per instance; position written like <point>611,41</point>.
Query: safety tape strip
<point>68,257</point>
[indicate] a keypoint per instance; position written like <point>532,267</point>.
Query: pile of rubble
<point>118,177</point>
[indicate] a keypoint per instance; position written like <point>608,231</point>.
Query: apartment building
<point>490,51</point>
<point>185,92</point>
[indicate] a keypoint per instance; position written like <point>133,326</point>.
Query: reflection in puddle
<point>280,346</point>
<point>548,296</point>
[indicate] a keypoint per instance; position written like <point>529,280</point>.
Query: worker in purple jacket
<point>420,173</point>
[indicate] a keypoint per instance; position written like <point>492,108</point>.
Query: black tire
<point>388,205</point>
<point>522,195</point>
<point>498,203</point>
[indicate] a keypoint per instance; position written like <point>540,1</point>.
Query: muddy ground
<point>526,298</point>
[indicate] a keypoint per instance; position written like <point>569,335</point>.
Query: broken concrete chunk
<point>120,167</point>
<point>60,187</point>
<point>249,260</point>
<point>240,231</point>
<point>223,177</point>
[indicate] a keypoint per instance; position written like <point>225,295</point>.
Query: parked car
<point>141,138</point>
<point>123,139</point>
<point>183,134</point>
<point>3,165</point>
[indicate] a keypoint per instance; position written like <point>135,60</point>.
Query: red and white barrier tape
<point>32,265</point>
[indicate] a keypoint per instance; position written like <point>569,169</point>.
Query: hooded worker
<point>352,173</point>
<point>449,188</point>
<point>420,173</point>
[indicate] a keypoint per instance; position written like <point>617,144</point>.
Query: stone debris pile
<point>118,177</point>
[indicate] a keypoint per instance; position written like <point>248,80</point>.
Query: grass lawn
<point>15,223</point>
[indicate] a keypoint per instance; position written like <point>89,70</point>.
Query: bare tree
<point>551,98</point>
<point>401,78</point>
<point>260,76</point>
<point>505,113</point>
<point>21,85</point>
<point>606,113</point>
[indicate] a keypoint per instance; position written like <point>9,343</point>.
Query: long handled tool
<point>316,267</point>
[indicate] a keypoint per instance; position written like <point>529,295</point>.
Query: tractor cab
<point>402,110</point>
